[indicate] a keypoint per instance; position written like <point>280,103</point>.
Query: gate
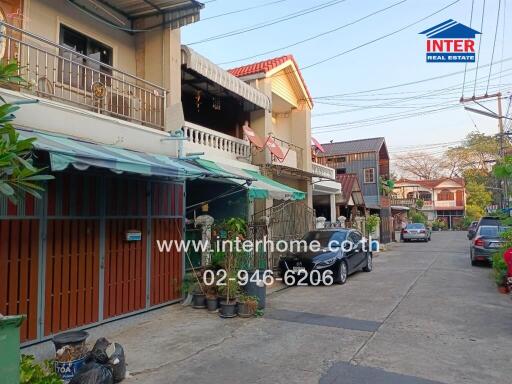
<point>285,220</point>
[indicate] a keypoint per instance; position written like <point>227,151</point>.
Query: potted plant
<point>247,305</point>
<point>212,302</point>
<point>198,295</point>
<point>228,303</point>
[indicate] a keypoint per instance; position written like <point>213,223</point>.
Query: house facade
<point>443,199</point>
<point>368,160</point>
<point>103,100</point>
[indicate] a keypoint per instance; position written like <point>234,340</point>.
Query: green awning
<point>66,151</point>
<point>261,187</point>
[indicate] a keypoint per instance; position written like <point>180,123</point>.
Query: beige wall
<point>45,17</point>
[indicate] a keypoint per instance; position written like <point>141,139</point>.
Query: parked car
<point>485,220</point>
<point>485,243</point>
<point>332,255</point>
<point>472,229</point>
<point>415,231</point>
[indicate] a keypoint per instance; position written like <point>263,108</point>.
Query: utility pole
<point>504,195</point>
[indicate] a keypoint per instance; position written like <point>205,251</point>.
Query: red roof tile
<point>433,182</point>
<point>266,66</point>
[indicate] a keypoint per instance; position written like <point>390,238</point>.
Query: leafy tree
<point>473,212</point>
<point>478,195</point>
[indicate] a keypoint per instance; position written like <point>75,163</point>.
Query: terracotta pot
<point>502,289</point>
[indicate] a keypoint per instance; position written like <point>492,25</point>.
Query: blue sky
<point>397,59</point>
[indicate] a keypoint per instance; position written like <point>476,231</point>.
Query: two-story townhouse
<point>443,199</point>
<point>218,108</point>
<point>288,122</point>
<point>103,99</point>
<point>368,159</point>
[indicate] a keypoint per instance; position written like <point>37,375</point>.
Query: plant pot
<point>245,310</point>
<point>220,299</point>
<point>212,303</point>
<point>199,300</point>
<point>228,309</point>
<point>502,289</point>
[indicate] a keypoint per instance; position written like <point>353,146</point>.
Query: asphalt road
<point>424,315</point>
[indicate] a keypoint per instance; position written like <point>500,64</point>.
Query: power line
<point>503,36</point>
<point>379,38</point>
<point>405,84</point>
<point>243,10</point>
<point>479,46</point>
<point>270,22</point>
<point>315,36</point>
<point>466,65</point>
<point>494,43</point>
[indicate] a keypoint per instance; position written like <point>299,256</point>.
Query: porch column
<point>332,206</point>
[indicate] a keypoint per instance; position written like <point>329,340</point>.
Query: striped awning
<point>66,151</point>
<point>260,187</point>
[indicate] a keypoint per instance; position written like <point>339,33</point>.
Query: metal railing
<point>294,151</point>
<point>218,141</point>
<point>60,73</point>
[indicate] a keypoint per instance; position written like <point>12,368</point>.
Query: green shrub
<point>33,373</point>
<point>500,269</point>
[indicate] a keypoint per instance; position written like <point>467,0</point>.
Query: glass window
<point>369,175</point>
<point>415,226</point>
<point>323,237</point>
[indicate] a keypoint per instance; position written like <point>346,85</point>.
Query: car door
<point>353,254</point>
<point>360,254</point>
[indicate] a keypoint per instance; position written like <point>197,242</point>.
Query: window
<point>369,175</point>
<point>445,195</point>
<point>341,171</point>
<point>76,68</point>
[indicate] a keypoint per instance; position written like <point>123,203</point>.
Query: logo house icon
<point>450,42</point>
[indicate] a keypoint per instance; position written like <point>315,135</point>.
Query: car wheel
<point>342,272</point>
<point>369,263</point>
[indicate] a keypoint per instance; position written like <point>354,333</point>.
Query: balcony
<point>215,144</point>
<point>447,204</point>
<point>294,157</point>
<point>411,203</point>
<point>323,171</point>
<point>58,73</point>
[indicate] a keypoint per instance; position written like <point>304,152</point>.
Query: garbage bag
<point>99,351</point>
<point>118,363</point>
<point>93,373</point>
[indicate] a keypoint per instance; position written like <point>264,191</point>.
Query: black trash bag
<point>118,363</point>
<point>93,373</point>
<point>99,351</point>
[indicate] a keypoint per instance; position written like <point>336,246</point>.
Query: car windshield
<point>415,226</point>
<point>323,237</point>
<point>492,231</point>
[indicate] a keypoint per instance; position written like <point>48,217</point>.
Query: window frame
<point>373,175</point>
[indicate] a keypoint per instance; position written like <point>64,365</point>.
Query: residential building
<point>443,199</point>
<point>368,159</point>
<point>288,122</point>
<point>103,99</point>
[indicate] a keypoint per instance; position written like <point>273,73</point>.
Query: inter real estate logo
<point>450,42</point>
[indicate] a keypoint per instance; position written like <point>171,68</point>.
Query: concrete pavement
<point>424,315</point>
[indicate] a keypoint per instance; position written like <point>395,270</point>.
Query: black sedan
<point>339,250</point>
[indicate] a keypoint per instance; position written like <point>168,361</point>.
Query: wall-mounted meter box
<point>133,235</point>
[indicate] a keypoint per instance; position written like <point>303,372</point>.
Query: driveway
<point>424,315</point>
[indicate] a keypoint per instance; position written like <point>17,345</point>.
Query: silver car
<point>415,231</point>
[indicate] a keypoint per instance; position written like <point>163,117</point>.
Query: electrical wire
<point>315,36</point>
<point>479,46</point>
<point>494,43</point>
<point>242,10</point>
<point>380,37</point>
<point>503,36</point>
<point>404,84</point>
<point>466,65</point>
<point>268,23</point>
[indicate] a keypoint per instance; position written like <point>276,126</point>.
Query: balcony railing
<point>213,142</point>
<point>446,203</point>
<point>323,171</point>
<point>293,158</point>
<point>60,73</point>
